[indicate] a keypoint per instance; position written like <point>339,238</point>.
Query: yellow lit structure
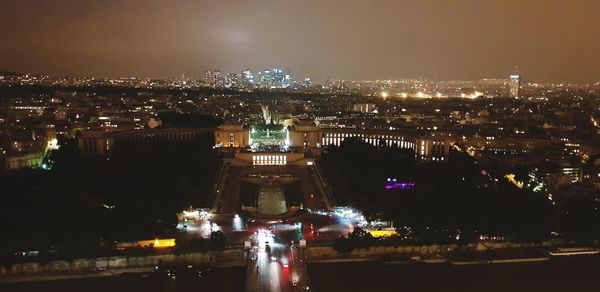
<point>153,243</point>
<point>383,233</point>
<point>511,178</point>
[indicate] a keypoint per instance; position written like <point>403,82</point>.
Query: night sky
<point>349,39</point>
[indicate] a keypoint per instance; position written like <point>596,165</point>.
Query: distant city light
<point>214,227</point>
<point>238,224</point>
<point>394,184</point>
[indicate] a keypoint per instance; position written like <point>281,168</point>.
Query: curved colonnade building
<point>101,143</point>
<point>302,135</point>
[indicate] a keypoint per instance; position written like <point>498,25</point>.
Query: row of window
<point>373,141</point>
<point>346,135</point>
<point>269,160</point>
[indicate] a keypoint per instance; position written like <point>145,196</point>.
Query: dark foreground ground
<point>565,274</point>
<point>225,280</point>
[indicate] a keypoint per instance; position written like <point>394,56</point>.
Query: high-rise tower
<point>514,85</point>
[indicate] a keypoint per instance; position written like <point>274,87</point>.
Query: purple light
<point>399,185</point>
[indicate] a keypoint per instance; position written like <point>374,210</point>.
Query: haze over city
<point>299,145</point>
<point>548,40</point>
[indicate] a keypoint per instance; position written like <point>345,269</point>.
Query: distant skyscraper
<point>287,80</point>
<point>247,78</point>
<point>515,85</point>
<point>328,83</point>
<point>214,78</point>
<point>307,83</point>
<point>275,78</point>
<point>232,80</point>
<point>265,79</point>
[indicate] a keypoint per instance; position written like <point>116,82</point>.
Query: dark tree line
<point>173,119</point>
<point>452,201</point>
<point>85,204</point>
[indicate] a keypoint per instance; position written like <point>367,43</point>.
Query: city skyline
<point>202,76</point>
<point>299,145</point>
<point>463,40</point>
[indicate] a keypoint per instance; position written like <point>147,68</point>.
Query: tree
<point>218,241</point>
<point>343,245</point>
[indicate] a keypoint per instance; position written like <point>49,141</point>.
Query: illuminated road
<point>299,272</point>
<point>275,266</point>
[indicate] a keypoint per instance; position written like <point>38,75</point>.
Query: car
<point>285,262</point>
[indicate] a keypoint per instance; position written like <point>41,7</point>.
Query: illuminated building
<point>364,107</point>
<point>433,149</point>
<point>275,78</point>
<point>388,232</point>
<point>302,134</point>
<point>305,134</point>
<point>548,179</point>
<point>287,81</point>
<point>515,85</point>
<point>214,78</point>
<point>101,143</point>
<point>24,160</point>
<point>307,83</point>
<point>232,135</point>
<point>151,243</point>
<point>247,78</point>
<point>231,80</point>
